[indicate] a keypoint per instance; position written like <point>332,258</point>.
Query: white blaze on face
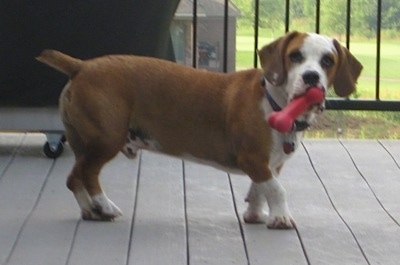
<point>313,49</point>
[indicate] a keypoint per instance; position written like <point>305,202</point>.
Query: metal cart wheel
<point>53,151</point>
<point>54,146</point>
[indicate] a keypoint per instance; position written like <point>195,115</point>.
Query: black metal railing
<point>332,103</point>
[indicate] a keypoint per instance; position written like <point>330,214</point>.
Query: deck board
<point>378,214</point>
<point>56,215</point>
<point>213,229</point>
<point>159,235</point>
<point>108,241</point>
<point>343,194</point>
<point>325,237</point>
<point>393,148</point>
<point>275,246</point>
<point>20,187</point>
<point>356,203</point>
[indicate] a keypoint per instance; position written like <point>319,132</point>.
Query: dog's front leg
<point>272,192</point>
<point>279,214</point>
<point>265,188</point>
<point>256,201</point>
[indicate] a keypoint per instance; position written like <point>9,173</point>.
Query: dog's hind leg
<point>83,180</point>
<point>94,203</point>
<point>74,181</point>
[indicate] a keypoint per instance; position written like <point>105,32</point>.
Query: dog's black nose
<point>311,78</point>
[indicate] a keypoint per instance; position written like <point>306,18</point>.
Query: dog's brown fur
<point>108,95</point>
<point>210,116</point>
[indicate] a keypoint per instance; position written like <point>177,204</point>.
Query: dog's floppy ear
<point>348,71</point>
<point>272,59</point>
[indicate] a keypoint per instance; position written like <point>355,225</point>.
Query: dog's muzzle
<point>311,78</point>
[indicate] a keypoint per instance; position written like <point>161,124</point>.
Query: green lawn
<point>390,58</point>
<point>365,51</point>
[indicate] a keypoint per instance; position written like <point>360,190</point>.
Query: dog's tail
<point>60,61</point>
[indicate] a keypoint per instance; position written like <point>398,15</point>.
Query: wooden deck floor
<point>344,195</point>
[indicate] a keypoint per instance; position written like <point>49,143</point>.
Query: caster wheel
<point>53,151</point>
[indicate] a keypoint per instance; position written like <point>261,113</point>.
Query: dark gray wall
<point>81,28</point>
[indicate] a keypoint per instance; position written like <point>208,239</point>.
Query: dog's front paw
<point>255,217</point>
<point>103,209</point>
<point>281,222</point>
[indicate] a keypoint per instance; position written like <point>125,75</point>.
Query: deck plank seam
<point>334,207</point>
<point>185,213</point>
<point>239,220</point>
<point>390,154</point>
<point>135,204</point>
<point>303,246</point>
<point>369,185</point>
<point>71,248</point>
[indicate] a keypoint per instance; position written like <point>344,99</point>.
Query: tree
<point>247,13</point>
<point>391,14</point>
<point>333,17</point>
<point>272,14</point>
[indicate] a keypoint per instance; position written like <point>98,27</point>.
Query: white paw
<point>102,209</point>
<point>281,222</point>
<point>279,214</point>
<point>254,217</point>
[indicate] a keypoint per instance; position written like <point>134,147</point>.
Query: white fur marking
<point>132,146</point>
<point>105,206</point>
<point>83,199</point>
<point>99,207</point>
<point>279,214</point>
<point>256,200</point>
<point>274,194</point>
<point>313,49</point>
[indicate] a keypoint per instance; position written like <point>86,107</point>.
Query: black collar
<point>275,106</point>
<point>298,126</point>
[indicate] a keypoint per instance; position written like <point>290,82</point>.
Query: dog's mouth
<point>320,107</point>
<point>307,118</point>
<point>316,108</point>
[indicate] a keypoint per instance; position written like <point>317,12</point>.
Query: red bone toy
<point>283,120</point>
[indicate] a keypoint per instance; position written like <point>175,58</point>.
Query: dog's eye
<point>296,57</point>
<point>327,61</point>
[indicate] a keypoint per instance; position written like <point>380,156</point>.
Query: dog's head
<point>298,61</point>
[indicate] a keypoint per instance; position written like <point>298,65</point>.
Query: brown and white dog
<point>125,103</point>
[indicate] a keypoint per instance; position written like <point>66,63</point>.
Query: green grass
<point>364,51</point>
<point>249,32</point>
<point>389,90</point>
<point>390,58</point>
<point>356,124</point>
<point>246,43</point>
